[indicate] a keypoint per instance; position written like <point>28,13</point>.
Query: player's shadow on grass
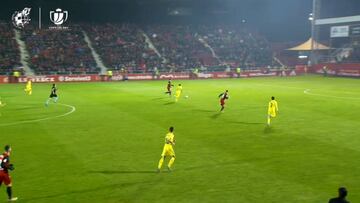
<point>267,130</point>
<point>246,123</point>
<point>169,103</point>
<point>123,172</point>
<point>215,116</point>
<point>203,110</point>
<point>159,98</point>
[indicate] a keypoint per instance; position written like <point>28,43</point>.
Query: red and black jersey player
<point>168,87</point>
<point>5,168</point>
<point>223,96</point>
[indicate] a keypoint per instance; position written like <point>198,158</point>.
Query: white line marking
<point>73,109</point>
<point>281,86</point>
<point>307,91</point>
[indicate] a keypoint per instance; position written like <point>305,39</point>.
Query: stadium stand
<point>354,55</point>
<point>238,46</point>
<point>58,52</point>
<point>180,46</point>
<point>123,46</point>
<point>9,52</point>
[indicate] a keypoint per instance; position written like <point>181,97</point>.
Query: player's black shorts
<point>53,95</point>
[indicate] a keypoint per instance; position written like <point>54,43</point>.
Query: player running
<point>223,96</point>
<point>178,92</point>
<point>28,87</point>
<point>5,167</point>
<point>272,110</point>
<point>53,95</point>
<point>168,149</point>
<point>2,103</point>
<point>168,87</point>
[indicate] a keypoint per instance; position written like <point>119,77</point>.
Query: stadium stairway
<point>278,61</point>
<point>24,54</point>
<point>210,48</point>
<point>152,47</point>
<point>98,60</point>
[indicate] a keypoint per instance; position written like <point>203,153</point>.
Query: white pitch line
<point>280,86</point>
<point>73,109</point>
<point>307,91</point>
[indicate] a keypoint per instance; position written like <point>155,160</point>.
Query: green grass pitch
<point>108,149</point>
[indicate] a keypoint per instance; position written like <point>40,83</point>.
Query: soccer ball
<point>186,96</point>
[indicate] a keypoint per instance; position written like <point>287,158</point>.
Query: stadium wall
<point>341,70</point>
<point>147,76</point>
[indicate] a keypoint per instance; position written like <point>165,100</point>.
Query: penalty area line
<point>73,109</point>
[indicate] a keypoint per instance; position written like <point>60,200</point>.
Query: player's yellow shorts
<point>28,89</point>
<point>272,113</point>
<point>177,94</point>
<point>168,150</point>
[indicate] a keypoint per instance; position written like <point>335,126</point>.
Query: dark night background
<point>278,20</point>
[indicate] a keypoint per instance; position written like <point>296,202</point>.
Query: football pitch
<point>102,141</point>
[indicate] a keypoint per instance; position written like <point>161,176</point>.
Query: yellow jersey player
<point>2,103</point>
<point>178,92</point>
<point>168,150</point>
<point>273,109</point>
<point>28,87</point>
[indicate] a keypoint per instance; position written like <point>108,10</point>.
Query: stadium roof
<point>307,46</point>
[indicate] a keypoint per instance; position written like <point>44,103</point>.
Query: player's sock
<point>56,98</point>
<point>161,163</point>
<point>222,108</point>
<point>268,121</point>
<point>9,192</point>
<point>47,102</point>
<point>171,162</point>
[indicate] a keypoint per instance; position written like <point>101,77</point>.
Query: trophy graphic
<point>58,17</point>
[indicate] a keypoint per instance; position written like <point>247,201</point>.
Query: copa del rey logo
<point>58,17</point>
